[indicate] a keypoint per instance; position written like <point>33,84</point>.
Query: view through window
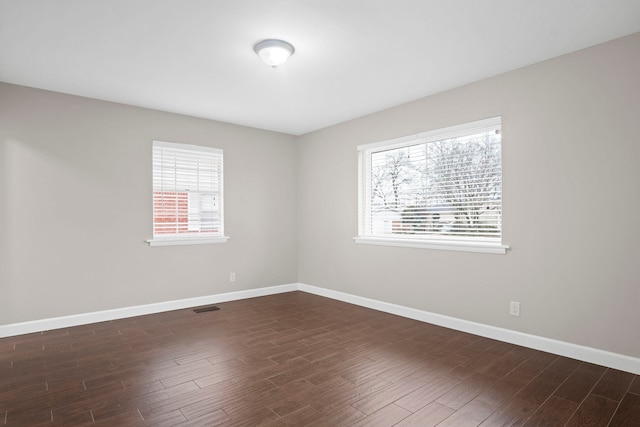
<point>187,191</point>
<point>444,185</point>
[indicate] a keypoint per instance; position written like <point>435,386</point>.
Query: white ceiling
<point>353,57</point>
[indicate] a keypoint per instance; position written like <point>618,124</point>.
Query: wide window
<point>440,189</point>
<point>187,194</point>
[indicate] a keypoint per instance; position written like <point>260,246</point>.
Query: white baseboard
<point>587,354</point>
<point>139,310</point>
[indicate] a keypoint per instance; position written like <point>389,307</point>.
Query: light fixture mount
<point>274,52</point>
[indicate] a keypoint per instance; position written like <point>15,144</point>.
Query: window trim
<point>450,243</point>
<point>173,241</point>
<point>462,246</point>
<point>190,239</point>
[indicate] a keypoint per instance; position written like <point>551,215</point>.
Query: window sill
<point>187,241</point>
<point>462,246</point>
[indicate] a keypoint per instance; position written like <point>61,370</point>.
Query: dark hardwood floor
<point>297,359</point>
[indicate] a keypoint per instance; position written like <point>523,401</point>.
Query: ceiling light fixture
<point>274,52</point>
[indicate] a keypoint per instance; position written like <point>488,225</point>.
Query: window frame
<point>188,238</point>
<point>450,243</point>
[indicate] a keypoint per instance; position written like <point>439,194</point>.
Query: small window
<point>187,194</point>
<point>440,189</point>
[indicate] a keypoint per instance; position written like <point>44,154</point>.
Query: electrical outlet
<point>232,277</point>
<point>514,308</point>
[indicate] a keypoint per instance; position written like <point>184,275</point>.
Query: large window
<point>187,194</point>
<point>440,189</point>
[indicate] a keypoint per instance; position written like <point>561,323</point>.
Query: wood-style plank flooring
<point>297,359</point>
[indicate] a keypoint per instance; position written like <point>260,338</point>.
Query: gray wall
<point>75,208</point>
<point>571,199</point>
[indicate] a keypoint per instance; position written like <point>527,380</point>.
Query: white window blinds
<point>443,185</point>
<point>187,191</point>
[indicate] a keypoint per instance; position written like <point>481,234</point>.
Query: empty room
<point>319,213</point>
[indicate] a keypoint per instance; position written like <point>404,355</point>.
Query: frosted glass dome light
<point>274,52</point>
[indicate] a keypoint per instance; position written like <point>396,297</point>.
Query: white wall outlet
<point>514,308</point>
<point>232,277</point>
